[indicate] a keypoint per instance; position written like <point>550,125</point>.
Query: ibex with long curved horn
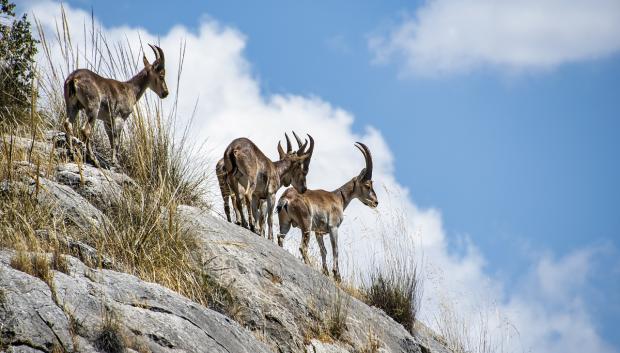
<point>253,177</point>
<point>106,99</point>
<point>322,211</point>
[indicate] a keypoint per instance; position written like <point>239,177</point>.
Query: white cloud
<point>448,36</point>
<point>231,105</point>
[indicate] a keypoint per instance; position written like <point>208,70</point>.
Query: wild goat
<point>229,197</point>
<point>227,194</point>
<point>253,177</point>
<point>106,99</point>
<point>323,211</point>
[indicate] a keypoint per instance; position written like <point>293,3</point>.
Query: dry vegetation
<point>395,290</point>
<point>394,283</point>
<point>482,333</point>
<point>329,324</point>
<point>144,236</point>
<point>110,339</point>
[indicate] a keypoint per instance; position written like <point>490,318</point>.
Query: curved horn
<point>155,51</point>
<point>302,148</point>
<point>298,140</point>
<point>311,149</point>
<point>289,148</point>
<point>368,157</point>
<point>309,152</point>
<point>159,55</point>
<point>162,59</point>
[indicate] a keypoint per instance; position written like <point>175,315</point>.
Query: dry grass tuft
<point>110,338</point>
<point>336,320</point>
<point>21,261</point>
<point>394,284</point>
<point>330,324</point>
<point>59,262</point>
<point>145,238</point>
<point>482,333</point>
<point>36,265</point>
<point>396,291</point>
<point>41,268</point>
<point>373,344</point>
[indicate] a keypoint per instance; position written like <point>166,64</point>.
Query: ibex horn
<point>368,157</point>
<point>298,140</point>
<point>311,149</point>
<point>289,148</point>
<point>309,153</point>
<point>159,54</point>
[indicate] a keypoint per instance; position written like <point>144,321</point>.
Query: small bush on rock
<point>396,291</point>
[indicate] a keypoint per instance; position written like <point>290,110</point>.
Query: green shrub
<point>17,51</point>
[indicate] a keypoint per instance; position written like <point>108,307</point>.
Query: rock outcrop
<point>73,312</point>
<point>281,304</point>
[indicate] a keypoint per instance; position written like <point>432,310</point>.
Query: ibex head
<point>156,72</point>
<point>300,162</point>
<point>363,185</point>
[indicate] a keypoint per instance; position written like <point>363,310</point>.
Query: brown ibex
<point>253,177</point>
<point>106,99</point>
<point>322,211</point>
<point>225,190</point>
<point>229,197</point>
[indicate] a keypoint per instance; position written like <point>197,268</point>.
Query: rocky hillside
<point>273,302</point>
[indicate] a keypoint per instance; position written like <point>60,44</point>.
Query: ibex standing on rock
<point>106,99</point>
<point>323,211</point>
<point>253,177</point>
<point>227,194</point>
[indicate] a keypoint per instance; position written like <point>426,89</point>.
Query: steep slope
<point>286,300</point>
<point>279,303</point>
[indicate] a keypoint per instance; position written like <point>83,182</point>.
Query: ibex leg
<point>305,238</point>
<point>87,131</point>
<point>271,201</point>
<point>333,237</point>
<point>319,239</point>
<point>248,205</point>
<point>72,114</point>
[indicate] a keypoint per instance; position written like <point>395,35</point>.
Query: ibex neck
<point>282,167</point>
<point>346,192</point>
<point>139,83</point>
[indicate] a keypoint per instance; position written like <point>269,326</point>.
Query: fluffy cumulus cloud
<point>230,104</point>
<point>447,36</point>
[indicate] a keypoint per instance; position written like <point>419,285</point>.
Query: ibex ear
<point>362,174</point>
<point>147,65</point>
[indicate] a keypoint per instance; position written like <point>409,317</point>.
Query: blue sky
<point>521,158</point>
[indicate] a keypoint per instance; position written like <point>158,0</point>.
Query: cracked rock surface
<point>149,317</point>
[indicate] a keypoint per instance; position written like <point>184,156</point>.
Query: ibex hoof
<point>337,277</point>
